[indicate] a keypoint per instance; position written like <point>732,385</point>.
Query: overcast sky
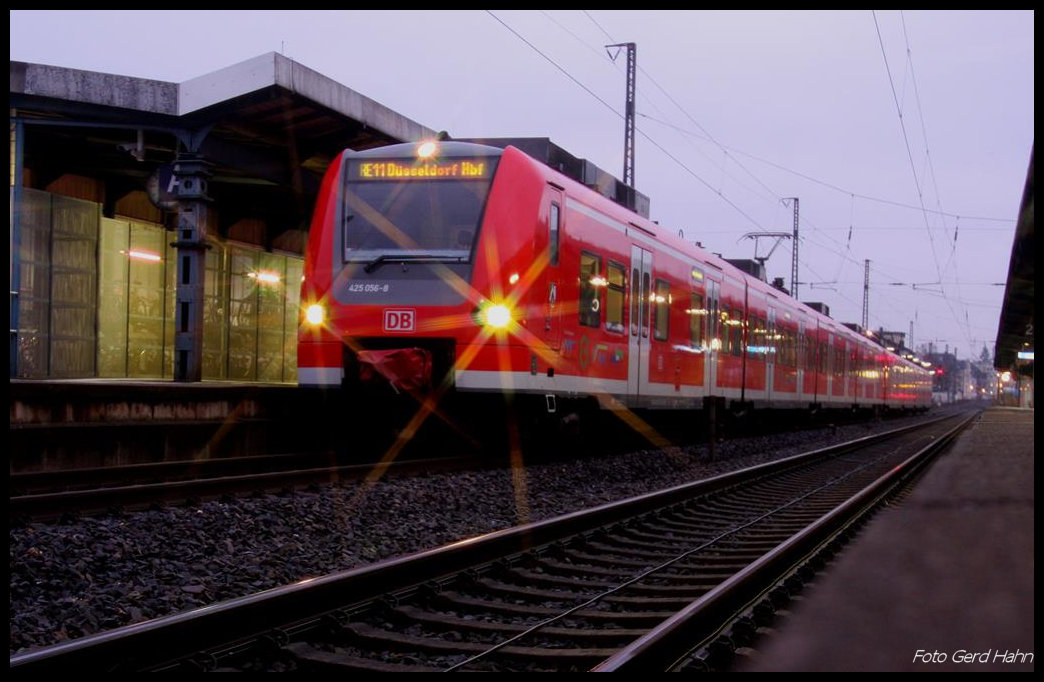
<point>906,135</point>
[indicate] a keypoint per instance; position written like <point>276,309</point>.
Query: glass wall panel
<point>170,295</point>
<point>215,313</point>
<point>294,272</point>
<point>97,297</point>
<point>113,270</point>
<point>74,254</point>
<point>34,297</point>
<point>271,299</point>
<point>146,260</point>
<point>242,318</point>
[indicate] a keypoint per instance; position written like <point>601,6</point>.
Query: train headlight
<point>497,316</point>
<point>315,314</point>
<point>427,149</point>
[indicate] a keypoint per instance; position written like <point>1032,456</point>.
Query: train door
<point>641,289</point>
<point>552,292</point>
<point>770,357</point>
<point>713,334</point>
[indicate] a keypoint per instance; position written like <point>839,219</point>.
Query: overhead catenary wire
<point>913,167</point>
<point>843,246</point>
<point>651,140</point>
<point>648,76</point>
<point>829,185</point>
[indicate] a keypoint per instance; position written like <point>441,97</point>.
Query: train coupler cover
<point>407,370</point>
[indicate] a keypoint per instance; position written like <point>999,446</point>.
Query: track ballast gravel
<point>81,576</point>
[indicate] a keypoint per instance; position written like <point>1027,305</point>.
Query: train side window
<point>757,337</point>
<point>661,327</point>
<point>635,300</point>
<point>553,222</point>
<point>736,332</point>
<point>590,280</point>
<point>696,317</point>
<point>614,297</point>
<point>733,324</point>
<point>723,325</point>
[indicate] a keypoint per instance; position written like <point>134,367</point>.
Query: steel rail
<point>692,628</point>
<point>255,616</point>
<point>92,500</point>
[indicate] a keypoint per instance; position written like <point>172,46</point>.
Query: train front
<point>387,295</point>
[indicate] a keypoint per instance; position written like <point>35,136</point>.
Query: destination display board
<point>392,170</point>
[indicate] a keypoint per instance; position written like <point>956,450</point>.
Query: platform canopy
<point>1015,331</point>
<point>268,127</point>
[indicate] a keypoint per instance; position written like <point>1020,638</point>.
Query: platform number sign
<point>400,320</point>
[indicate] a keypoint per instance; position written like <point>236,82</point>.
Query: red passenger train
<point>450,268</point>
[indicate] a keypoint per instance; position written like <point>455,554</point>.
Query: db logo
<point>400,320</point>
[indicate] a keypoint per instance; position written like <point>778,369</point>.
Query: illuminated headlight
<point>315,314</point>
<point>426,150</point>
<point>497,316</point>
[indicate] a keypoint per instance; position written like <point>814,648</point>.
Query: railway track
<point>640,584</point>
<point>50,494</point>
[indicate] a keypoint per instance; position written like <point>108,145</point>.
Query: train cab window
<point>590,282</point>
<point>662,299</point>
<point>614,297</point>
<point>553,222</point>
<point>697,314</point>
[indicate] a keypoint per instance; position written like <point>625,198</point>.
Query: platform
<point>941,582</point>
<point>104,422</point>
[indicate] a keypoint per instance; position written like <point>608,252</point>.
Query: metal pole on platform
<point>191,173</point>
<point>18,130</point>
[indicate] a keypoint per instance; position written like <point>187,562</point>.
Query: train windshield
<point>398,212</point>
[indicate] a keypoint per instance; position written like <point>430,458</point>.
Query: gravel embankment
<point>80,577</point>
